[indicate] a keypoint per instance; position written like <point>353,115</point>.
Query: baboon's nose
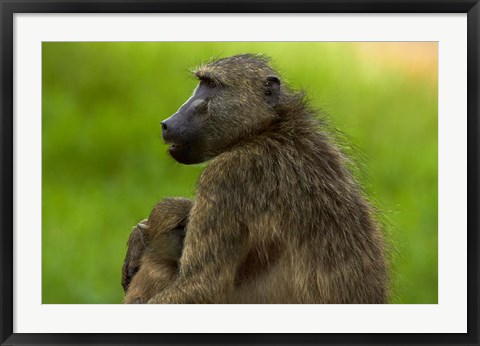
<point>164,129</point>
<point>172,130</point>
<point>168,131</point>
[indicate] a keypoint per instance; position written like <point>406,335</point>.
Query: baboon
<point>277,218</point>
<point>164,232</point>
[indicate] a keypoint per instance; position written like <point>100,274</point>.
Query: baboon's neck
<point>295,123</point>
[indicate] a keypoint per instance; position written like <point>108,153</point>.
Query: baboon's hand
<point>137,242</point>
<point>136,301</point>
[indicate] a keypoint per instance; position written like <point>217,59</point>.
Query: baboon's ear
<point>272,90</point>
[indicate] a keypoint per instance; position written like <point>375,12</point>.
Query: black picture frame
<point>10,7</point>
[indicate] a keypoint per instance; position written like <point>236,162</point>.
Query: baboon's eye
<point>208,82</point>
<point>211,84</point>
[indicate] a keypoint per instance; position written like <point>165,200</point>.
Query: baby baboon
<point>154,249</point>
<point>277,218</point>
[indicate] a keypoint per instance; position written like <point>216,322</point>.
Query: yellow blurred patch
<point>415,59</point>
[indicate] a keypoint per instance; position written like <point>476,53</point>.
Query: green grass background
<point>105,166</point>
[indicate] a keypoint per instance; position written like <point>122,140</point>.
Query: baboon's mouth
<point>182,153</point>
<point>178,150</point>
<point>174,147</point>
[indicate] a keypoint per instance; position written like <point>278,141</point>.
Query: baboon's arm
<point>215,245</point>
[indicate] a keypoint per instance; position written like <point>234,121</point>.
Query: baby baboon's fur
<point>154,249</point>
<point>277,218</point>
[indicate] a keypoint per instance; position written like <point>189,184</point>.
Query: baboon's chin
<point>185,154</point>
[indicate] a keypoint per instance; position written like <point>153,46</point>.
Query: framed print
<point>319,186</point>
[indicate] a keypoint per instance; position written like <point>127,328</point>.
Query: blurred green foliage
<point>105,166</point>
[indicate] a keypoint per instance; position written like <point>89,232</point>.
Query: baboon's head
<point>235,98</point>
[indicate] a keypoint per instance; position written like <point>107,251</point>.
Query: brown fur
<point>277,218</point>
<point>154,250</point>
